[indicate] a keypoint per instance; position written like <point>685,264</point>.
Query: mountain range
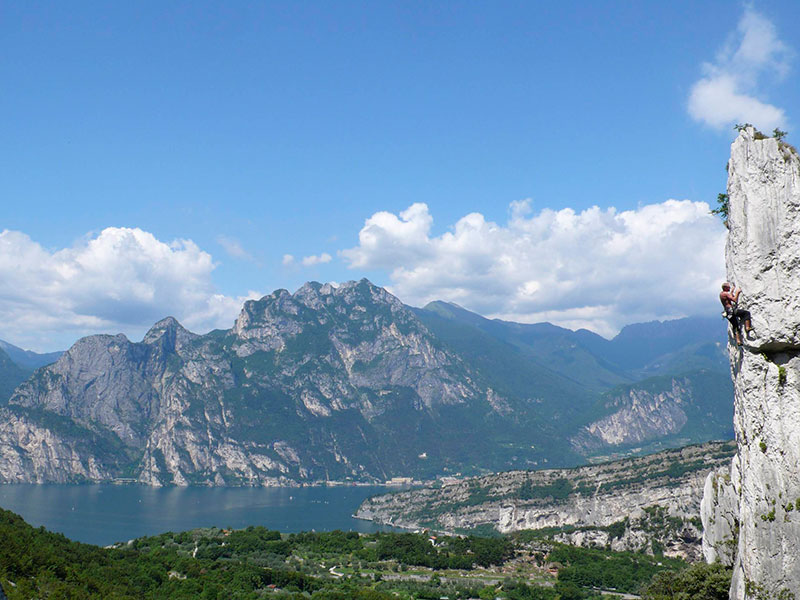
<point>16,365</point>
<point>346,383</point>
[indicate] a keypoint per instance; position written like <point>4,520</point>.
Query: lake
<point>105,513</point>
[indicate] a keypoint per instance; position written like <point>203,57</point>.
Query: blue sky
<point>175,158</point>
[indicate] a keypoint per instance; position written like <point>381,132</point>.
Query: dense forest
<point>256,562</point>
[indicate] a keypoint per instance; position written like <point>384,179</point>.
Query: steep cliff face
<point>719,512</point>
<point>55,450</point>
<point>763,257</point>
<point>105,380</point>
<point>638,416</point>
<point>656,408</point>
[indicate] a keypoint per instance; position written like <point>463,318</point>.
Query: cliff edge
<point>751,512</point>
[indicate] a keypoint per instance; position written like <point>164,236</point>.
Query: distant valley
<point>346,384</point>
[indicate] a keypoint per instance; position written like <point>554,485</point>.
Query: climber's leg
<point>735,325</point>
<point>744,315</point>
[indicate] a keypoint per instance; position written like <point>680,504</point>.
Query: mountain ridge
<point>338,383</point>
<point>16,365</point>
<point>27,359</point>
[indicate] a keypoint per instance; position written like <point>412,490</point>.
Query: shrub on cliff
<point>699,582</point>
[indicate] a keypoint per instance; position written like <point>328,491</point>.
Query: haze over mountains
<point>347,383</point>
<point>16,365</point>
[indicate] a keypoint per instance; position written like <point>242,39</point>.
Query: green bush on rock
<point>699,582</point>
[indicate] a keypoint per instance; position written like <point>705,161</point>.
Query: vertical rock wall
<point>719,511</point>
<point>763,257</point>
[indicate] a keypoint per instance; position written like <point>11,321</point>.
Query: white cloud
<point>727,92</point>
<point>310,261</point>
<point>121,280</point>
<point>234,248</point>
<point>598,269</point>
<point>287,260</point>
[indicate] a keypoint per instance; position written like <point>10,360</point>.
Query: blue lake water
<point>104,514</point>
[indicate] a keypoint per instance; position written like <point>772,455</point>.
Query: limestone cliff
<point>763,258</point>
<point>56,452</point>
<point>719,512</point>
<point>655,409</point>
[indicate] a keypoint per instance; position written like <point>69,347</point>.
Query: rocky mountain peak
<point>315,295</point>
<point>169,334</point>
<point>282,314</point>
<point>167,326</point>
<point>101,379</point>
<point>93,345</point>
<point>763,258</point>
<point>365,291</point>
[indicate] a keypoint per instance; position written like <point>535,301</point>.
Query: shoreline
<point>288,485</point>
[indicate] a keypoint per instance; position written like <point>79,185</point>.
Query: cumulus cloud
<point>120,280</point>
<point>287,260</point>
<point>726,94</point>
<point>234,248</point>
<point>599,268</point>
<point>321,259</point>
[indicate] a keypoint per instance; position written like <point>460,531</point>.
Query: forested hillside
<point>257,563</point>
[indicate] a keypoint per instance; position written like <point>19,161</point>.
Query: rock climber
<point>729,296</point>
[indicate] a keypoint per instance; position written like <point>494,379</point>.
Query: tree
<point>722,208</point>
<point>699,582</point>
<point>778,134</point>
<point>569,591</point>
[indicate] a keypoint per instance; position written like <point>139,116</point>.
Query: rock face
<point>640,416</point>
<point>45,454</point>
<point>300,389</point>
<point>650,503</point>
<point>347,383</point>
<point>654,409</point>
<point>763,257</point>
<point>719,512</point>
